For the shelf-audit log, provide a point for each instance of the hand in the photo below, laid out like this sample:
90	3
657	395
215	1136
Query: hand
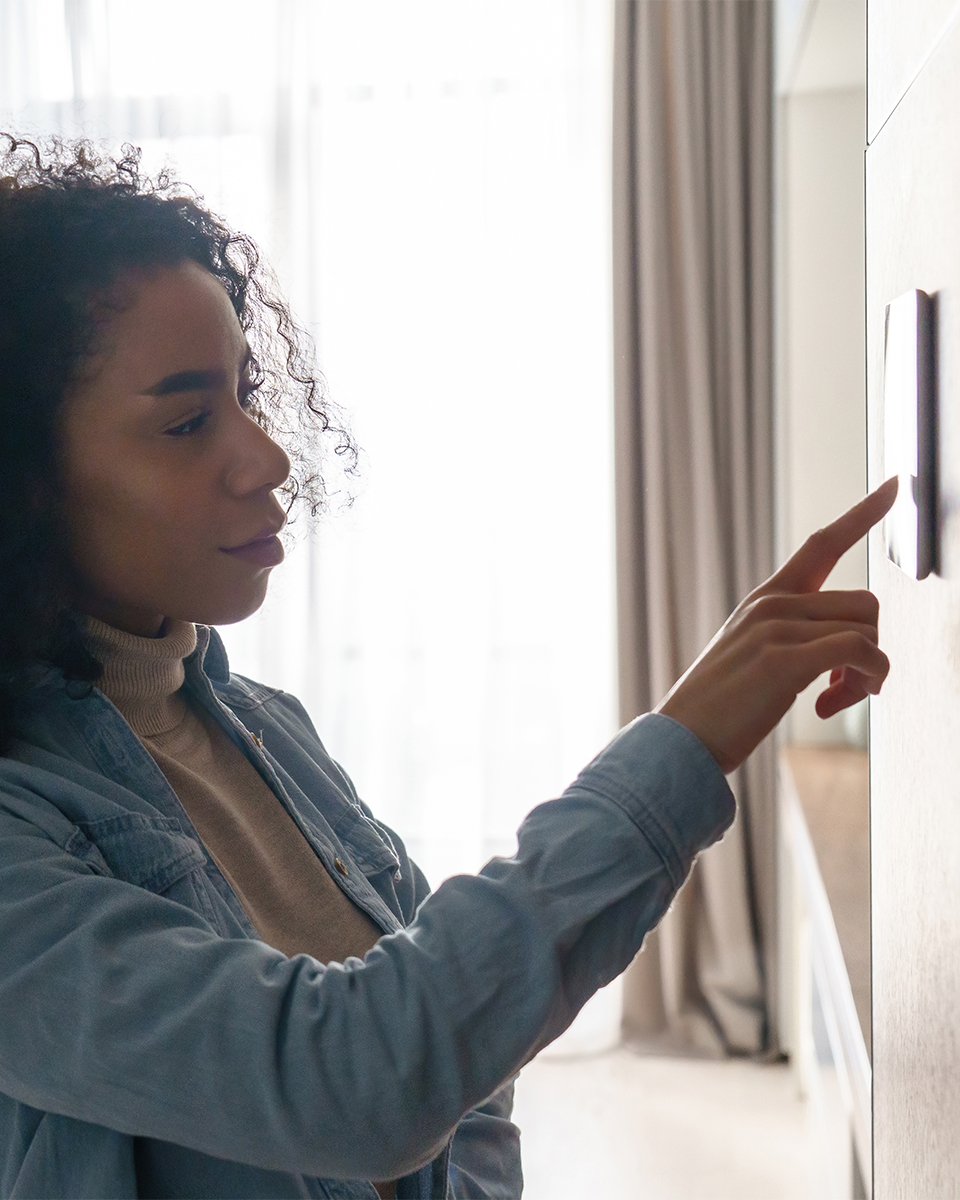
780	638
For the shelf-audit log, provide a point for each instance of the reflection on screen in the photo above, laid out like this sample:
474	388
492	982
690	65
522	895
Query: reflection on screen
900	430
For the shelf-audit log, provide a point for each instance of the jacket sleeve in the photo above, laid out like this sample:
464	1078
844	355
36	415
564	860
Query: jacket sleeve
123	1008
485	1156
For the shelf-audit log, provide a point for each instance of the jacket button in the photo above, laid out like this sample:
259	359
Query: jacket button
340	865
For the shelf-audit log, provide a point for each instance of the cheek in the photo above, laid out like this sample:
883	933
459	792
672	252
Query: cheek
138	543
131	525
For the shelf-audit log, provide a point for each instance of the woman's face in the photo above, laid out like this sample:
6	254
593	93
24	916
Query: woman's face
169	481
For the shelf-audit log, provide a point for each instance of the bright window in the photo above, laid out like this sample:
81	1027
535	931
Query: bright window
431	181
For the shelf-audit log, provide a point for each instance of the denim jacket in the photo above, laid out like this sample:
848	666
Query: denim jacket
151	1044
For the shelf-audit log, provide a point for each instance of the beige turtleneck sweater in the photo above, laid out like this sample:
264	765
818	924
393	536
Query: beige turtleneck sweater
291	899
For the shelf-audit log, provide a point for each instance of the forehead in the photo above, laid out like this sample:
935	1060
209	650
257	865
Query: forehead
169	319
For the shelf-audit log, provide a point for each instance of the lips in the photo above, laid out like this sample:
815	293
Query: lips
264	550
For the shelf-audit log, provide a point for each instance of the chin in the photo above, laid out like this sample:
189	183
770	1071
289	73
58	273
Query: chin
225	610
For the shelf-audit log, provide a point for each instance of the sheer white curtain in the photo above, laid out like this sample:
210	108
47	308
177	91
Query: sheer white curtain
431	181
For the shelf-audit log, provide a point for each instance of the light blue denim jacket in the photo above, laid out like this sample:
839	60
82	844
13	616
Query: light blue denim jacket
151	1045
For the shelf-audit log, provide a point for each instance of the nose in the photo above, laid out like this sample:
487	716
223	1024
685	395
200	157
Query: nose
258	463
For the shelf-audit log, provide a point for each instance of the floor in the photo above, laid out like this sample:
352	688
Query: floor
619	1126
833	784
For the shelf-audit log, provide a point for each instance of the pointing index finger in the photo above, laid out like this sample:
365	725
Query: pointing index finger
806	570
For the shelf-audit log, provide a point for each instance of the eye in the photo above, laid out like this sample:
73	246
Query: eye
187	427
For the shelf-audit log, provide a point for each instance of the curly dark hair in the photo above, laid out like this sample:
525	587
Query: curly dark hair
73	220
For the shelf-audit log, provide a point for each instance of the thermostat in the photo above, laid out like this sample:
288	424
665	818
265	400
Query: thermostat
909	432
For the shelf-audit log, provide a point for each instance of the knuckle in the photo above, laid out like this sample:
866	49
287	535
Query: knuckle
768	607
820	539
780	631
776	659
863	647
868	606
763	641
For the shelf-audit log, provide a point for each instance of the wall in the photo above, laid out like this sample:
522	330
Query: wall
913	241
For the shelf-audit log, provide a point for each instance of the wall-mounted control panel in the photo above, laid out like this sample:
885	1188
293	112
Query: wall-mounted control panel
909	432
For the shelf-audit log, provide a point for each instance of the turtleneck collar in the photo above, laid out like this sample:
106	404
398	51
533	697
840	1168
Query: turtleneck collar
143	676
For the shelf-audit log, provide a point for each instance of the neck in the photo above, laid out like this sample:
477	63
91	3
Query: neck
139	622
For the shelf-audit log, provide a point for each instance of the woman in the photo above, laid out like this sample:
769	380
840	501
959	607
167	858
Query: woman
219	974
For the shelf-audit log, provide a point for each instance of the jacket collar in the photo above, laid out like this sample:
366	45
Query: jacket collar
210	656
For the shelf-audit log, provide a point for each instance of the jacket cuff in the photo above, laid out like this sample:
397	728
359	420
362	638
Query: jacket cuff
669	785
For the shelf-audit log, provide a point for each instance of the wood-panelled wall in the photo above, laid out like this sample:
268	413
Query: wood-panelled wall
913	241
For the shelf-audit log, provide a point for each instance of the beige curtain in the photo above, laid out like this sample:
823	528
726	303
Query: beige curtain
693	299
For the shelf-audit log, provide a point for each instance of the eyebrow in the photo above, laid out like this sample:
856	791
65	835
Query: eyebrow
193	381
186	381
